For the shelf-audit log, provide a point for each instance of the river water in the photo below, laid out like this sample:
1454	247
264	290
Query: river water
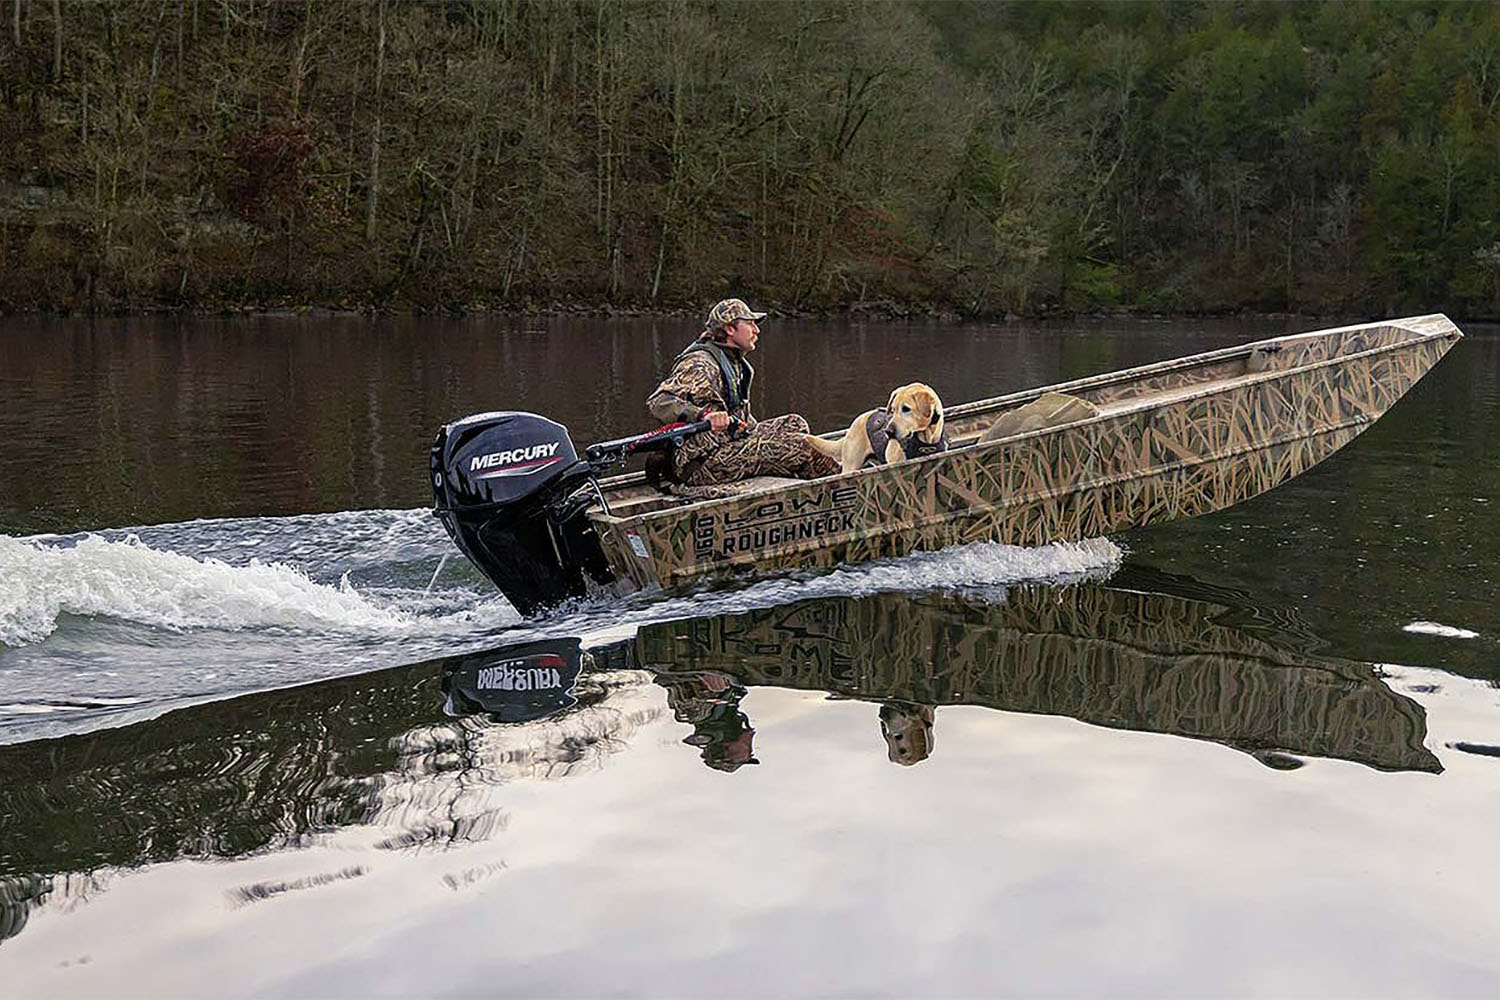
1249	754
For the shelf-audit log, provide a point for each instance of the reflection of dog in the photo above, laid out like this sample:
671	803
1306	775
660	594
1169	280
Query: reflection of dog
908	732
911	425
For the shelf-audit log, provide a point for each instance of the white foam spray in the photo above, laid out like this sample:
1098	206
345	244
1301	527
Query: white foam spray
129	580
1438	628
979	565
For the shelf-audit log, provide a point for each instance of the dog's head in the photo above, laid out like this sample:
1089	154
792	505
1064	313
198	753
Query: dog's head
908	732
916	409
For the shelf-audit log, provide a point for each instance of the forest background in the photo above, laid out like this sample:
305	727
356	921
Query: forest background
955	157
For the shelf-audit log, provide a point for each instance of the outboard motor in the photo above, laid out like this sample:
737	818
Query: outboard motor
513	494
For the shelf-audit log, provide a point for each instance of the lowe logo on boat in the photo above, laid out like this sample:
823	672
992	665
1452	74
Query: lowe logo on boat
515	675
516	461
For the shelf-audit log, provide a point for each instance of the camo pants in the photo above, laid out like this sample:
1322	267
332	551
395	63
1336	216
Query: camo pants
771	448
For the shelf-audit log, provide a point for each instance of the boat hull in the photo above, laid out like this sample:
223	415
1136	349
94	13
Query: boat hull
1173	440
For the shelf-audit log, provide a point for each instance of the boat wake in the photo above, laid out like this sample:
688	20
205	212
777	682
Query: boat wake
131	581
116	626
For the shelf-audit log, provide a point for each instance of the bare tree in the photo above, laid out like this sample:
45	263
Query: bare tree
373	196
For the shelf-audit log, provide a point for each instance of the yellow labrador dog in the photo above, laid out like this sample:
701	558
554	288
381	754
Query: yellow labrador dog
910	426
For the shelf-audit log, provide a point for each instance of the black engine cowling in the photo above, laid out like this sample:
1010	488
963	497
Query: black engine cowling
511	491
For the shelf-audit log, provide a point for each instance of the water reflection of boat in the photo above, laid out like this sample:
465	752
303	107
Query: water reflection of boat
1105	656
278	769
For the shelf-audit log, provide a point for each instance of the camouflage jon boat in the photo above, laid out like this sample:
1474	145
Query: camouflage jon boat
1162	441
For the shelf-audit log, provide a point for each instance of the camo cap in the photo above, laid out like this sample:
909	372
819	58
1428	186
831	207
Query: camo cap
728	311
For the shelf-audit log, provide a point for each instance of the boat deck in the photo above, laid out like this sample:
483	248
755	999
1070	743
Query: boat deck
1161	396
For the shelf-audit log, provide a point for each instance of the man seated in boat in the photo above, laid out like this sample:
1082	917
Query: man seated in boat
710	380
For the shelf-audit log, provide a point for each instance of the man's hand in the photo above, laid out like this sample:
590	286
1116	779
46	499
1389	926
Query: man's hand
719	421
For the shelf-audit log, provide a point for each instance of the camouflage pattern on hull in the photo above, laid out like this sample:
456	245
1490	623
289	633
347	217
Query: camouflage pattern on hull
1125	660
1171	440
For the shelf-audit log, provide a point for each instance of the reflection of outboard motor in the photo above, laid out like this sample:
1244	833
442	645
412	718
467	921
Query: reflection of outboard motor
516	683
513	494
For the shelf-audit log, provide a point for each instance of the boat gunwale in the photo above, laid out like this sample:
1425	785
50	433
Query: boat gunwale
1145	404
1218	354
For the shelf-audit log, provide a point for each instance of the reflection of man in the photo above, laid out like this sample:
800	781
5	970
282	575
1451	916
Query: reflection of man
907	729
710	702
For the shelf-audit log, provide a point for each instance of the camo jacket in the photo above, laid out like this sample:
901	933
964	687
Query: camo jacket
695	385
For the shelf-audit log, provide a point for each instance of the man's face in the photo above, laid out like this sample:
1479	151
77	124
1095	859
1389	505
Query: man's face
743	333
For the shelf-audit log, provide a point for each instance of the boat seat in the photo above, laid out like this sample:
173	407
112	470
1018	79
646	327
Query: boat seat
651	499
761	483
718	491
1162	396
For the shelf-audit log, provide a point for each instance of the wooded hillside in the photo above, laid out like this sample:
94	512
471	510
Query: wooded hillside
980	158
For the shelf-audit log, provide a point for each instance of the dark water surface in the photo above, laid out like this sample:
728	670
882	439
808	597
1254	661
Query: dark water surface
1249	754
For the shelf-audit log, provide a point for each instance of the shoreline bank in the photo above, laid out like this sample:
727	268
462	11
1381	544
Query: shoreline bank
854	312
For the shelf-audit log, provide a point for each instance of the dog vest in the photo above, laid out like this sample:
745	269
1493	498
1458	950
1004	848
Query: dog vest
878	427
